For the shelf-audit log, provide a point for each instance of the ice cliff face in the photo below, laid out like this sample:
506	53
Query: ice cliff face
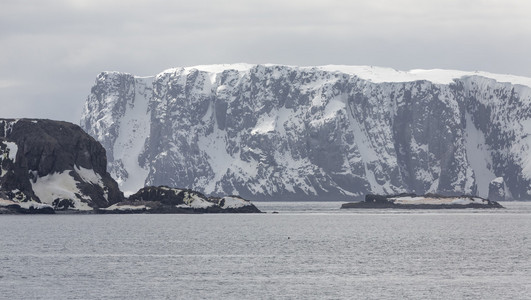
302	133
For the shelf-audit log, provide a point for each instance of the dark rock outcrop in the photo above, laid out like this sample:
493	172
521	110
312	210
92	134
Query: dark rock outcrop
55	163
428	201
51	165
164	199
17	208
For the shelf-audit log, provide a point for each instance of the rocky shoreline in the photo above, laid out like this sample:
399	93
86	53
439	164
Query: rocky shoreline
166	200
428	201
10	207
49	167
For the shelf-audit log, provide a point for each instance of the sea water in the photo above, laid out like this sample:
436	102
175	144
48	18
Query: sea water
306	250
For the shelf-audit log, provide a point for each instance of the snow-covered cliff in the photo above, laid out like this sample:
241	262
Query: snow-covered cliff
301	133
53	164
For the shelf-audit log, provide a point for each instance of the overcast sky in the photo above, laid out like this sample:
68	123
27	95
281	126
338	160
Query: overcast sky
51	51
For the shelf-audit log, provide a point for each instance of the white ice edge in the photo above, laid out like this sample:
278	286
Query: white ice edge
370	73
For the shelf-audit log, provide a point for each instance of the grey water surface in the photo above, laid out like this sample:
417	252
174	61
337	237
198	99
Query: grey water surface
309	250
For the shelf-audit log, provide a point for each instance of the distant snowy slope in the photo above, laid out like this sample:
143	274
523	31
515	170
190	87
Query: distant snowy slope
327	132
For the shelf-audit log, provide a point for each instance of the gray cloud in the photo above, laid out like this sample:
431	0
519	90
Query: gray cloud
51	51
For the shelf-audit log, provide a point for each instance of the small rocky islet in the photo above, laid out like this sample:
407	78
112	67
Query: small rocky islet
427	201
166	200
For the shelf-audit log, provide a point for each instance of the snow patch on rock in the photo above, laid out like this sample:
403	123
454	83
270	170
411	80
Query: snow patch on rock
420	200
12	150
234	202
59	186
193	200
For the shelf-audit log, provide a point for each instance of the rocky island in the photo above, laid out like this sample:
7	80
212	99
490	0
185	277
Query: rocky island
48	166
164	199
428	201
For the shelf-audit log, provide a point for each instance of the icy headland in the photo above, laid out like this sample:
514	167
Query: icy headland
276	132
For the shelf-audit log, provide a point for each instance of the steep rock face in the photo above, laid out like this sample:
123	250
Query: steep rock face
54	163
290	133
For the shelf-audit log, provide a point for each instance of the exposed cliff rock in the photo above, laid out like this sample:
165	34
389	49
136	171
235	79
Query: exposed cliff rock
329	133
54	164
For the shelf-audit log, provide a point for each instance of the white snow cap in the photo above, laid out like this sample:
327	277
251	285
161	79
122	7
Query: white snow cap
374	74
440	76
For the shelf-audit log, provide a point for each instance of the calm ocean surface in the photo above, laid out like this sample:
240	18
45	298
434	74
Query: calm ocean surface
306	251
